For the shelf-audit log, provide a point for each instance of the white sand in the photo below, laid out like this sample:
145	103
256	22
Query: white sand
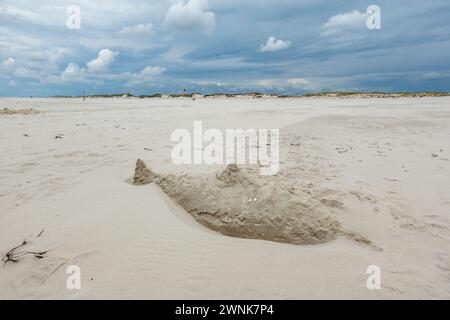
382	166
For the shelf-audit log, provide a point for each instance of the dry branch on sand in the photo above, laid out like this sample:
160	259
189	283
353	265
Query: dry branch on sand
15	254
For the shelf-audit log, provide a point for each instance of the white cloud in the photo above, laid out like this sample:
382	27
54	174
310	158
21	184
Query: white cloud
189	16
38	56
44	13
137	29
26	73
151	71
16	12
297	83
273	45
102	62
22	73
9	62
267	83
58	54
147	74
344	22
73	72
435	75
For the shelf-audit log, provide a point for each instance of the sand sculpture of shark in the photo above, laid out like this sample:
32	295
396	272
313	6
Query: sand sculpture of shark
236	203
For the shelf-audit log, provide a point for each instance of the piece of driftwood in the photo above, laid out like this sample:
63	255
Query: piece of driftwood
15	254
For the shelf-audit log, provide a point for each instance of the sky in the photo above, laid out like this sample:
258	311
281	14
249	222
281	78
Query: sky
76	47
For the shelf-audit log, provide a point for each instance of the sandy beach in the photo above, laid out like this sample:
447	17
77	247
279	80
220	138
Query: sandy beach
378	167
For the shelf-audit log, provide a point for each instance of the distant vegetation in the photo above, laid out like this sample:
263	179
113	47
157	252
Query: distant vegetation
378	94
338	94
156	95
182	95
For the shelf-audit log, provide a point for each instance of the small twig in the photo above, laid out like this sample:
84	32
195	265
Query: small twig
11	256
38	255
14	255
40	234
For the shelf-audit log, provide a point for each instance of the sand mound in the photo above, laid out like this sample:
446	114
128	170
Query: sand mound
246	205
6	111
231	176
143	175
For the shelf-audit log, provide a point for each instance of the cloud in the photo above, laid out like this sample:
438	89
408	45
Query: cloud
9	62
73	72
58	54
147	74
18	13
102	62
273	45
23	73
295	83
435	75
151	71
298	82
137	29
344	22
76	74
268	83
44	13
190	16
32	33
